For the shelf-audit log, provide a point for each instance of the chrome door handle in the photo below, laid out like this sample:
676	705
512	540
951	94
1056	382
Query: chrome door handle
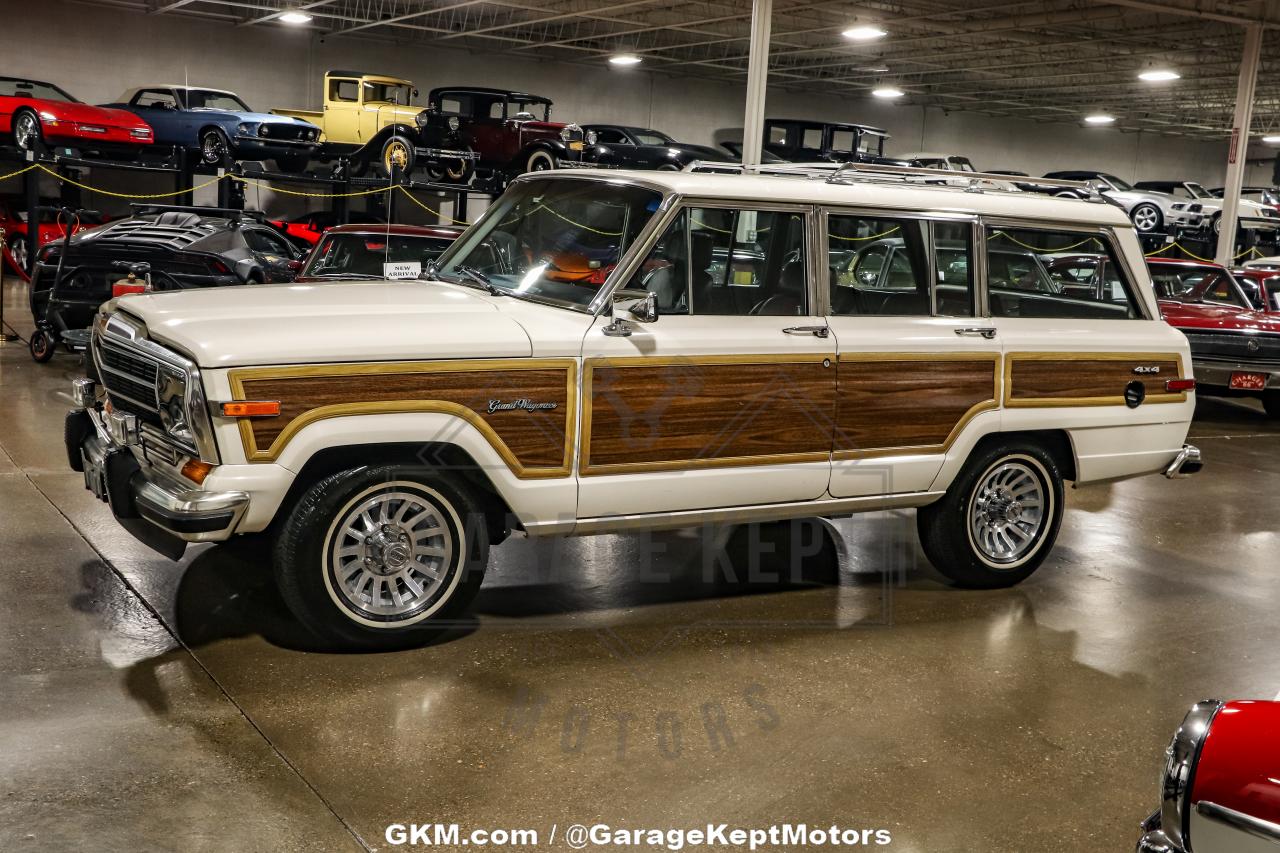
977	332
816	331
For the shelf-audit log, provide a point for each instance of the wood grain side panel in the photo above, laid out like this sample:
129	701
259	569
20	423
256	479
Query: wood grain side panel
889	404
1085	379
685	414
532	439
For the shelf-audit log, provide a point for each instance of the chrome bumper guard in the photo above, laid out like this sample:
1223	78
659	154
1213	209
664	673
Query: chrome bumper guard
1153	838
1187	462
134	491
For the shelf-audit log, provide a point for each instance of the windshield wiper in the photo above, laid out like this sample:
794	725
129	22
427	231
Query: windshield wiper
482	280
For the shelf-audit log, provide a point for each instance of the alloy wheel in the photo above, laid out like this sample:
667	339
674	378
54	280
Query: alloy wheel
18	252
1146	218
26	130
1008	512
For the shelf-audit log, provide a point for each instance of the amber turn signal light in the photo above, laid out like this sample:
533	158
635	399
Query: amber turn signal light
251	409
196	471
1174	386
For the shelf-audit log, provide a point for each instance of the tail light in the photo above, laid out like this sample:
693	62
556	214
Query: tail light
219	267
1174	386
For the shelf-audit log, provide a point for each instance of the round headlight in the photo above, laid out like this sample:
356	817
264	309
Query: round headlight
264	130
244	129
454	123
1183	754
566	134
591	137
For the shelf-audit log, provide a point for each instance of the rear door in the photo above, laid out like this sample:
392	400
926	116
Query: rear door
915	365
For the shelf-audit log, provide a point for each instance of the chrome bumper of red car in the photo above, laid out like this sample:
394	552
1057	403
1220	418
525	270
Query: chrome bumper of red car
1219	373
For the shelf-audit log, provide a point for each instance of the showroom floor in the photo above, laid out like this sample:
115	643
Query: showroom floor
142	701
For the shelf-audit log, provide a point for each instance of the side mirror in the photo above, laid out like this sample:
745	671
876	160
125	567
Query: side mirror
631	305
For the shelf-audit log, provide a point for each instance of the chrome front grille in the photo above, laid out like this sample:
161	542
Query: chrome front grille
128	376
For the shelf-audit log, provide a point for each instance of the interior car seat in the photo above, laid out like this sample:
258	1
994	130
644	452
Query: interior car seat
788	298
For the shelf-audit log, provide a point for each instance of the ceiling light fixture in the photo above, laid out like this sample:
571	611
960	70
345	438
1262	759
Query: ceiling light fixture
1099	118
864	33
1159	75
295	17
884	91
1271	140
625	59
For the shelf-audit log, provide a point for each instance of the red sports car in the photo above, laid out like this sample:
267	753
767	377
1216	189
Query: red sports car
1220	791
31	110
13	219
1235	349
305	230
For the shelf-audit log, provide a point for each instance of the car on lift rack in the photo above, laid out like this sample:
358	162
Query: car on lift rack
511	132
370	120
625	147
216	123
306	229
1235	348
805	141
1205	209
1151	212
32	112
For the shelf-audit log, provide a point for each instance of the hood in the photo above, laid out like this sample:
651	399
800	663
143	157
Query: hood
536	126
703	152
89	114
258	118
1206	317
331	322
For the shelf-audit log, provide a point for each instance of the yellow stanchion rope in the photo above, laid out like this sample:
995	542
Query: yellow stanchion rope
1252	250
99	191
19	172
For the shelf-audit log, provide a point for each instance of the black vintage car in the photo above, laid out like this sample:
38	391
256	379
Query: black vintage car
624	147
804	141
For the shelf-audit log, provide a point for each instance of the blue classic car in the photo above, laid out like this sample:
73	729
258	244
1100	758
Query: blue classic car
216	123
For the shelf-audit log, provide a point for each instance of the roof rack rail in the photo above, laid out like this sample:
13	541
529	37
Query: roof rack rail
836	173
232	213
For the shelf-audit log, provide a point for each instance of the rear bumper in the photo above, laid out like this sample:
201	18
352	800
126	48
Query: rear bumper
1218	373
160	511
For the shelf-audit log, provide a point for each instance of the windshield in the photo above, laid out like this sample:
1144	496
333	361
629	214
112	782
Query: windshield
557	239
358	255
1120	185
653	137
1194	285
1196	190
540	110
201	99
387	93
32	89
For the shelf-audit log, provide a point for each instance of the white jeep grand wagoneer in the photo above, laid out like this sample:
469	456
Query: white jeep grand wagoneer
642	350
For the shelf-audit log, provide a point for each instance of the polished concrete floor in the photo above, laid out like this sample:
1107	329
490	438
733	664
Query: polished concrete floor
146	705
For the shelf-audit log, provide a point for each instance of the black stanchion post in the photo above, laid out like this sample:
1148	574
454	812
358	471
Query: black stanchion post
343	187
186	177
5	335
31	197
460	206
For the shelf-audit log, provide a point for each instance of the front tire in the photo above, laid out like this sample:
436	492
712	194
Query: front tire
214	147
1000	518
41	345
396	152
26	130
1147	218
381	557
18	255
540	161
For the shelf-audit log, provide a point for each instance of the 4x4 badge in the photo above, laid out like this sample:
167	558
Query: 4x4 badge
1147	370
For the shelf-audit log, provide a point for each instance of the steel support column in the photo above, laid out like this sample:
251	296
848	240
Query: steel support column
757	81
1238	147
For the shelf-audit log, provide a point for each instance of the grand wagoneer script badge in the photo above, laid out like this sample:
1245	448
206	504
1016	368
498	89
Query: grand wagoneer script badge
524	403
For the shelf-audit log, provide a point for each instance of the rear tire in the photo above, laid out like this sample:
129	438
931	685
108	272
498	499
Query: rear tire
1000	518
214	147
381	557
21	261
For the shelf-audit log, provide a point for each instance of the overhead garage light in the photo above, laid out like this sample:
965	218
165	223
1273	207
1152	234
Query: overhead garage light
1271	140
1099	118
295	17
864	33
1159	75
887	92
625	59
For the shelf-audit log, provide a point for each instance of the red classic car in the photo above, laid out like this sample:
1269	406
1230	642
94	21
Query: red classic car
31	110
13	220
1220	791
375	251
1262	286
1235	349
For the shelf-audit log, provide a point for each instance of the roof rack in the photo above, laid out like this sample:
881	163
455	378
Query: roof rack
837	173
226	212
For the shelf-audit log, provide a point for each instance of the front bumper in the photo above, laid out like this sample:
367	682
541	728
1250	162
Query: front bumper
1217	374
161	511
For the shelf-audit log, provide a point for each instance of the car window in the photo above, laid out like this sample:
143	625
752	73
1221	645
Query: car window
344	90
878	266
777	136
611	137
812	138
653	137
12	88
365	254
452	105
1020	285
267	243
717	261
1195	284
201	99
843	140
156	98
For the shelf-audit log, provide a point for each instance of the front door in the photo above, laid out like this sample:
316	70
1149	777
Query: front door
728	398
916	367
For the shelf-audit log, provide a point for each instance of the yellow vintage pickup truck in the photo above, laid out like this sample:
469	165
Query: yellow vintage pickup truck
369	119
